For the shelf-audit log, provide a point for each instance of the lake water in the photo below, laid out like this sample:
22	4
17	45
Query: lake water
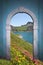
27	36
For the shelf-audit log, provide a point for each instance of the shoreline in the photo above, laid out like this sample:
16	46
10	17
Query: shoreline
20	36
23	31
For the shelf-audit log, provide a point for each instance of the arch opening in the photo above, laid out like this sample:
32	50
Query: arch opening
35	30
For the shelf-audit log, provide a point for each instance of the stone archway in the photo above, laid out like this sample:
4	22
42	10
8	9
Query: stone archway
35	30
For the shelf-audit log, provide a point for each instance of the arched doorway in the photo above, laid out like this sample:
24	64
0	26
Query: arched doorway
35	30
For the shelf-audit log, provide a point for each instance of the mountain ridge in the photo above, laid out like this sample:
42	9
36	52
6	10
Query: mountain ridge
27	27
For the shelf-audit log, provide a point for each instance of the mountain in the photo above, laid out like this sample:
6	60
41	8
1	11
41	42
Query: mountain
27	27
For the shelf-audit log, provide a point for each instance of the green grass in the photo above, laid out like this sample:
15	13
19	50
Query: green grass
5	62
17	58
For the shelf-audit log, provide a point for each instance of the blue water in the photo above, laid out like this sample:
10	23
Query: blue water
27	36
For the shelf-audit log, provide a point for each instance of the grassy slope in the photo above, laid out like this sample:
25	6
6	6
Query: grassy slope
24	60
17	58
21	43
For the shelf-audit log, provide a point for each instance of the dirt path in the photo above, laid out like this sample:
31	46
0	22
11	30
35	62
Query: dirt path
25	52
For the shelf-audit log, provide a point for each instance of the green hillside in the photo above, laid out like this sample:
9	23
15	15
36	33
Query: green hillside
17	57
21	28
26	27
21	43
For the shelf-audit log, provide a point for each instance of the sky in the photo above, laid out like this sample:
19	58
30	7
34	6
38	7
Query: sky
20	19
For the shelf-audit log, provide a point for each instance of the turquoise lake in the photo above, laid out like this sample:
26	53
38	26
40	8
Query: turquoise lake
27	36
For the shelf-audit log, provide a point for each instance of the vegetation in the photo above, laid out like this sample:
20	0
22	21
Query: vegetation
17	57
5	62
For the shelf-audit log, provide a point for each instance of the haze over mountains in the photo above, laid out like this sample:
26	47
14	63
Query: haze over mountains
27	27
